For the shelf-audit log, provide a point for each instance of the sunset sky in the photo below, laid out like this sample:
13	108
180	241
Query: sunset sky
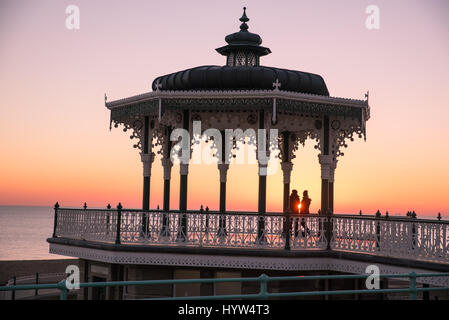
54	128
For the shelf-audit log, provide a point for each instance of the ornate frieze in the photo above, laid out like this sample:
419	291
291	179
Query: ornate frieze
233	102
342	130
135	124
217	104
161	139
242	94
297	138
317	109
295	112
227	120
123	113
172	118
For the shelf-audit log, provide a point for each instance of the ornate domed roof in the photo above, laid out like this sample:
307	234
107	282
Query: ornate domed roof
241	78
242	70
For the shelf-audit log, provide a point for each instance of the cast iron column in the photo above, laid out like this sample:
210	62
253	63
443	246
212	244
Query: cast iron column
325	162
223	168
286	167
331	185
182	222
183	171
167	165
262	200
286	170
262	185
147	160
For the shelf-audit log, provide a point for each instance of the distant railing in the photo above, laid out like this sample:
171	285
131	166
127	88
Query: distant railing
408	238
32	279
262	280
36	278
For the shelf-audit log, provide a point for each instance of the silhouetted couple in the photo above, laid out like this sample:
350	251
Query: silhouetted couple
300	207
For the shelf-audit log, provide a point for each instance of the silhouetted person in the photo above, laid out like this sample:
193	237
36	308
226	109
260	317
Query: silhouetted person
295	201
305	205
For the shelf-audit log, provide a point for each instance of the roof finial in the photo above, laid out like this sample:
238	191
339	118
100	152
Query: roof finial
244	19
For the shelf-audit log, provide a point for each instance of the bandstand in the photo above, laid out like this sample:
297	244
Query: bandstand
275	110
241	95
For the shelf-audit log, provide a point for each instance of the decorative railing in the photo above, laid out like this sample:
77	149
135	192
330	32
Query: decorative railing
405	238
398	237
93	224
193	228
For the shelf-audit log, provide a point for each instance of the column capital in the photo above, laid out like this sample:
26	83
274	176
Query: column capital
184	169
325	159
147	157
223	168
287	168
332	168
325	162
167	165
147	161
166	162
263	169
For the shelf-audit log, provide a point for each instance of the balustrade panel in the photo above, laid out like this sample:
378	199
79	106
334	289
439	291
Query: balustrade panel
88	224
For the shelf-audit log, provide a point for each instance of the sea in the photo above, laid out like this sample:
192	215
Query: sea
24	231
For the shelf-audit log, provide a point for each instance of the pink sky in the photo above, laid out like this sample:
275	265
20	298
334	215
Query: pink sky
54	128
